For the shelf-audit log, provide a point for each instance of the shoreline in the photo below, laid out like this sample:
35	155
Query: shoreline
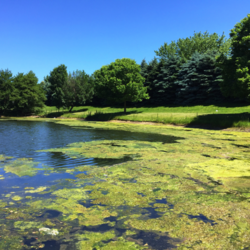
33	118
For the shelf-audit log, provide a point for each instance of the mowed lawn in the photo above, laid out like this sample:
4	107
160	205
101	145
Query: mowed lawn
217	116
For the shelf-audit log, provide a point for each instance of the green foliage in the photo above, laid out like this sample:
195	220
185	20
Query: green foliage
21	93
120	82
167	78
57	79
202	43
236	69
161	77
151	73
144	67
78	89
6	90
199	80
45	85
28	94
22	167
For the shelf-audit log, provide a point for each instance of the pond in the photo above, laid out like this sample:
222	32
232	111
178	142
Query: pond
86	185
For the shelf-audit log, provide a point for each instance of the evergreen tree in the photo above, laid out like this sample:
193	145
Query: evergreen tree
151	74
166	80
157	98
198	80
144	67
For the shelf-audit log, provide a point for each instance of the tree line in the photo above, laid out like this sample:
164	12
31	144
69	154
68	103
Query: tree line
200	69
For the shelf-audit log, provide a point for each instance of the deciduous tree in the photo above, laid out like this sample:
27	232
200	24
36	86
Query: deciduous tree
57	78
184	48
121	81
6	90
28	95
236	69
78	89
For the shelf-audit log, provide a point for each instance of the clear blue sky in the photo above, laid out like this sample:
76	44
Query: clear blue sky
39	35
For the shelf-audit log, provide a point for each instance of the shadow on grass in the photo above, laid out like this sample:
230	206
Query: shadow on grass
101	116
60	113
221	121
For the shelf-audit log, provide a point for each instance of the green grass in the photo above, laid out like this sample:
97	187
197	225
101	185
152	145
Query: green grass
215	116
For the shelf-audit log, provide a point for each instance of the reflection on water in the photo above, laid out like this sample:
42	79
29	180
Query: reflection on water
21	139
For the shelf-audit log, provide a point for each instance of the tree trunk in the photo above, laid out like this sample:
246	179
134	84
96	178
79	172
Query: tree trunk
71	108
124	106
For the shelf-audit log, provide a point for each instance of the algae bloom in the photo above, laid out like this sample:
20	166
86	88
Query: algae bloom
49	231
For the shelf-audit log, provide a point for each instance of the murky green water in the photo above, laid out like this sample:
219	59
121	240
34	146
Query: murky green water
89	185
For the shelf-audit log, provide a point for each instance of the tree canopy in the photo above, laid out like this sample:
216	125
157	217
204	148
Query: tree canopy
121	81
236	69
57	78
184	48
198	80
7	87
78	89
45	85
20	94
166	80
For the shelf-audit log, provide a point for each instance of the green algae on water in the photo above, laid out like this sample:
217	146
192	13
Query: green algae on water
38	190
194	189
16	198
4	158
22	167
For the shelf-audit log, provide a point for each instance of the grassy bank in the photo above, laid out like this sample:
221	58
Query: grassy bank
213	116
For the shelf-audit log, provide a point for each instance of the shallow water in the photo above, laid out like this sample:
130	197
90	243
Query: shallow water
22	139
99	186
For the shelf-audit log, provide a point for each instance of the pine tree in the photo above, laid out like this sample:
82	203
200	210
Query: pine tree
152	77
198	80
166	80
144	67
